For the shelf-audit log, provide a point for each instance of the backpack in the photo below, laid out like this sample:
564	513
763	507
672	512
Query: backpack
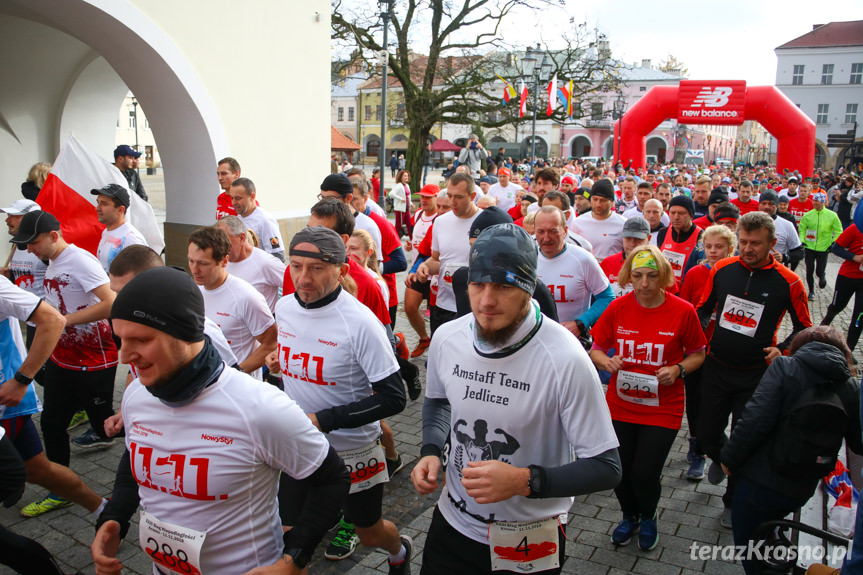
809	436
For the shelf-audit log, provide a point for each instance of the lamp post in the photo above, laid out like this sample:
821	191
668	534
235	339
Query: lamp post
386	5
135	115
532	71
619	111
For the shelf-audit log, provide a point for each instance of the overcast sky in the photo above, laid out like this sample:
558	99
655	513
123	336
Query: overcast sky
727	40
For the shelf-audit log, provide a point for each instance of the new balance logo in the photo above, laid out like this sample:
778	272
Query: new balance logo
715	98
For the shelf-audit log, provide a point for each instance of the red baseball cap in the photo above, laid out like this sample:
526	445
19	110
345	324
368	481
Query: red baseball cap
430	190
504	172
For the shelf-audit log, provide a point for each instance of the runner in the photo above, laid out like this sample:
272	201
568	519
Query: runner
112	203
510	397
206	472
818	228
265	274
658	341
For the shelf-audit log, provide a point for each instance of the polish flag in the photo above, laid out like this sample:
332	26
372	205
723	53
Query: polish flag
66	194
522	105
552	95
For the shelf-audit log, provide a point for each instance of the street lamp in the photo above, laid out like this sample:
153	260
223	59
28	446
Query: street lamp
386	6
534	72
135	114
619	111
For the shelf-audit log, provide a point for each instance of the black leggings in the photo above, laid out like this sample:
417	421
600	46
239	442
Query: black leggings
816	262
643	451
845	288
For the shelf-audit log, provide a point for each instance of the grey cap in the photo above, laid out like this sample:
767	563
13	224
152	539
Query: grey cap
330	244
769	196
636	227
504	254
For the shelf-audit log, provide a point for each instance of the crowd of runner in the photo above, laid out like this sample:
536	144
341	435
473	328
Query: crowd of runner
574	313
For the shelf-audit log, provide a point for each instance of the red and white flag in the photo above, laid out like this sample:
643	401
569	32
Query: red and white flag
66	194
522	104
552	95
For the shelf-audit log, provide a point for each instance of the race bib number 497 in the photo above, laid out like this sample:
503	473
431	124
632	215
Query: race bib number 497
740	315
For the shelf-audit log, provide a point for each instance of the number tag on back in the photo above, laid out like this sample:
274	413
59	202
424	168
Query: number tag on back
530	546
169	546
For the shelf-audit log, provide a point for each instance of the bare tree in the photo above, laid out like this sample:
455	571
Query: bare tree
448	55
674	66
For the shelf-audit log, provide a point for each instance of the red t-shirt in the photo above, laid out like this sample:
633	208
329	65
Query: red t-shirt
702	222
647	339
368	291
390	242
515	211
692	289
747	207
611	266
798	208
852	240
225	206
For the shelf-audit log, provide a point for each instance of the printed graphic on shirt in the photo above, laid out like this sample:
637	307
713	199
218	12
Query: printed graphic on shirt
477	447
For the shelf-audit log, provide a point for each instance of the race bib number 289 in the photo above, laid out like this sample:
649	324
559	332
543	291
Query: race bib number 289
169	546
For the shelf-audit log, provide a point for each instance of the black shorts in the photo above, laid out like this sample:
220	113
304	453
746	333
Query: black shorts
22	432
448	552
363	509
422	287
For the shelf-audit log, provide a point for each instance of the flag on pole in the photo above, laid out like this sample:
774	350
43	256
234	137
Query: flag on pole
508	91
563	96
570	106
522	105
66	194
551	90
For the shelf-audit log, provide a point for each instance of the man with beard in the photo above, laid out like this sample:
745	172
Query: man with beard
487	371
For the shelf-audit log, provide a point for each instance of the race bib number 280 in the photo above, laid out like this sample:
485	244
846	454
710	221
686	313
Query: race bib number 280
740	315
171	547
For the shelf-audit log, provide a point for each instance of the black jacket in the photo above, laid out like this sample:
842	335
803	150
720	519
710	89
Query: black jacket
747	451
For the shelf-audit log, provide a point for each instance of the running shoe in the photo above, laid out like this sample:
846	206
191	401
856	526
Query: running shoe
92	440
403	568
822	282
715	475
401	346
344	543
395	465
648	536
624	531
696	467
421	347
49	503
80	418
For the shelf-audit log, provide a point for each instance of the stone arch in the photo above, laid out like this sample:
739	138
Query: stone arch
580	146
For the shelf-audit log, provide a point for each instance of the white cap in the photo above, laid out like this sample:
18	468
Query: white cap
21	207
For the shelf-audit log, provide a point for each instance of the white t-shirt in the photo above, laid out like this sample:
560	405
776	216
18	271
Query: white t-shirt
69	280
787	237
505	195
15	305
113	242
213	465
217	338
241	313
363	222
632	212
267	229
572	277
606	235
542	405
451	241
28	272
422	223
334	366
375	208
265	273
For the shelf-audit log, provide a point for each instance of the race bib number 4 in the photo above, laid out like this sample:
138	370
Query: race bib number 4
172	547
740	315
367	466
638	388
524	547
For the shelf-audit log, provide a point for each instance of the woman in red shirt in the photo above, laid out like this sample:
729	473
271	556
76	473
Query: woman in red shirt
657	340
719	242
849	281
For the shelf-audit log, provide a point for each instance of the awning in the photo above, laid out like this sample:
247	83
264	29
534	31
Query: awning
341	143
444	146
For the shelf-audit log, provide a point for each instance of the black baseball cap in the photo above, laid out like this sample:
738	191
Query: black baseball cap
33	224
330	245
115	191
125	150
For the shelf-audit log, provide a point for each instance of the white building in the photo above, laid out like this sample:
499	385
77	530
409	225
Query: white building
822	72
345	104
133	129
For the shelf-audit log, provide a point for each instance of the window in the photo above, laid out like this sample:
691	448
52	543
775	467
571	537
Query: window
856	73
797	76
850	113
341	114
350	114
596	111
823	110
400	112
368	113
642	88
827	74
132	120
377	112
146	124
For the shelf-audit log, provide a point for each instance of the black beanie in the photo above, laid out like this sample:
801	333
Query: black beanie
165	299
683	202
504	254
490	216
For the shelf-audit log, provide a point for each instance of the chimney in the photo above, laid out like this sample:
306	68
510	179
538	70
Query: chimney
645	63
604	48
816	26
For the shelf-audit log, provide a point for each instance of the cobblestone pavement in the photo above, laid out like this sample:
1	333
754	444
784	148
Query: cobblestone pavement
688	511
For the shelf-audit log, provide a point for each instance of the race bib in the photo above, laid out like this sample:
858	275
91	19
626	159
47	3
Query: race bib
447	271
740	315
638	388
811	235
367	466
172	547
524	546
677	261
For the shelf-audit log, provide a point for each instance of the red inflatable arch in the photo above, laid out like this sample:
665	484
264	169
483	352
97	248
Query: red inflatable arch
719	102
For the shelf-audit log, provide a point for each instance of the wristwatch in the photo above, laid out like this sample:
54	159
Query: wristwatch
298	556
682	370
536	482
